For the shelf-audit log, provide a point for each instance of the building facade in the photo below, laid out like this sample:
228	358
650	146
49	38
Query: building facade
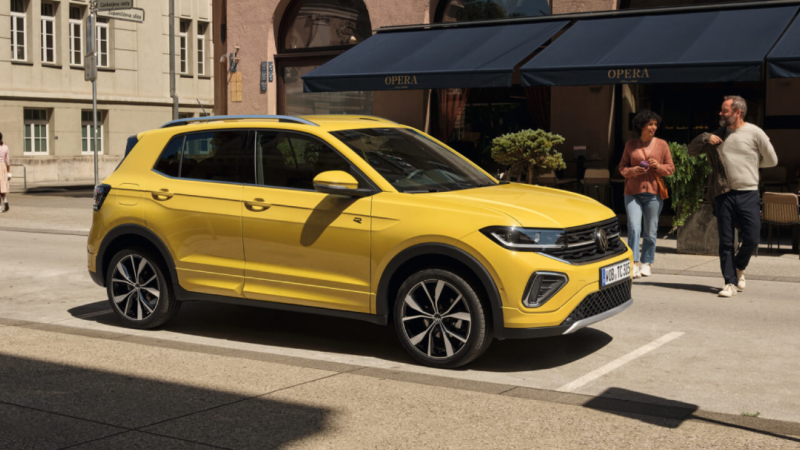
289	38
46	106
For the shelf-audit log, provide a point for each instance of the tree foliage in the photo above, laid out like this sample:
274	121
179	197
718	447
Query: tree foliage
687	184
528	152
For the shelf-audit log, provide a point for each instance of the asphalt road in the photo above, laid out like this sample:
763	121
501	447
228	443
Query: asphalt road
679	350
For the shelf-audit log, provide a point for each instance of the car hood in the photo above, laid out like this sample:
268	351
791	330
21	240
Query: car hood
533	206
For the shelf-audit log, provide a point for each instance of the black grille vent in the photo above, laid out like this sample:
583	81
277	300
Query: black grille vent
581	247
601	301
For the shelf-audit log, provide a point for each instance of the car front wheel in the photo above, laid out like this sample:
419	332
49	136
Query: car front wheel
440	320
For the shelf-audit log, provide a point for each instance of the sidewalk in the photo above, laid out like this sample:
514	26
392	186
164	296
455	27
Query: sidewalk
68	211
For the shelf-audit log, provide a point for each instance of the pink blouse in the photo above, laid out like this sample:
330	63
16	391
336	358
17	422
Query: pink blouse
4	155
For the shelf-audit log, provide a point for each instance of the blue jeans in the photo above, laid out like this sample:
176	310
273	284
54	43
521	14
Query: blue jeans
649	206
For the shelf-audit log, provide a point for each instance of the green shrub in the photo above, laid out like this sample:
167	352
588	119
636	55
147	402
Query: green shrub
687	184
528	152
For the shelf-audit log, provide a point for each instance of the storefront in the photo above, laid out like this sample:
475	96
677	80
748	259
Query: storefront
466	80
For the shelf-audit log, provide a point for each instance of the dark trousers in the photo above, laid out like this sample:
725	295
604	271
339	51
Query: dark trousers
742	208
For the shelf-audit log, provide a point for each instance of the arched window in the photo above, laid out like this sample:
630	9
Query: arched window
312	33
325	24
468	10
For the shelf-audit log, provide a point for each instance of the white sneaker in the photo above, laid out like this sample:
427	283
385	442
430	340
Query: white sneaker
636	272
645	270
728	291
741	283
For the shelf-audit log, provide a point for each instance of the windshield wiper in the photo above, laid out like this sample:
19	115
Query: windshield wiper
423	191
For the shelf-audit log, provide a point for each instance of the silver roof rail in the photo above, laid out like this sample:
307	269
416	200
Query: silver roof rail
293	119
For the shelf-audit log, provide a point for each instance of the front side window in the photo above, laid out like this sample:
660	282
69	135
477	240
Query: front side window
36	132
18	37
48	33
75	36
208	156
87	129
292	160
102	42
412	162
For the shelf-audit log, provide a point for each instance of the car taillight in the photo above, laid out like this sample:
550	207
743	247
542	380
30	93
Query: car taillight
100	193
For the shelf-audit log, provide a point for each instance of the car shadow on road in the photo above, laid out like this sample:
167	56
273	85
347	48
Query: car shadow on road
681	286
351	337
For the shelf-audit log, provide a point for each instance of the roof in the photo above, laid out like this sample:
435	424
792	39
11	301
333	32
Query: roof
329	122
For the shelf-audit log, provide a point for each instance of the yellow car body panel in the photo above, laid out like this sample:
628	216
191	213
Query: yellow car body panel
316	250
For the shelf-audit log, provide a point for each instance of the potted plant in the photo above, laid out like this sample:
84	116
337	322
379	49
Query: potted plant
694	220
528	153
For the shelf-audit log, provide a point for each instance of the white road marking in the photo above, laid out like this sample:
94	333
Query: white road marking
617	363
95	314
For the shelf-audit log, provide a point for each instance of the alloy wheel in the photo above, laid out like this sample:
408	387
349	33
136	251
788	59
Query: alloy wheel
436	319
135	287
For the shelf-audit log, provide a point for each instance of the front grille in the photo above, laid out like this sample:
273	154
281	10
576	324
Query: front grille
601	301
581	246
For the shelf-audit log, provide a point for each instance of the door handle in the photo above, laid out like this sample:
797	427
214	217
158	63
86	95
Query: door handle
257	205
163	194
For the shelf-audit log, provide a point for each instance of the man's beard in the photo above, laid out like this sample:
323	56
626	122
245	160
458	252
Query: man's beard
727	122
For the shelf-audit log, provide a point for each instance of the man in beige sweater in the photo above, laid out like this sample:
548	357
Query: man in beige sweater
736	151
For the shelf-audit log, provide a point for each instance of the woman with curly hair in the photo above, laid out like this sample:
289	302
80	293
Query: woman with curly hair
645	159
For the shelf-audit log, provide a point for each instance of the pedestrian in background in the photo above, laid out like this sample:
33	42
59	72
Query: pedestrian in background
645	160
735	152
5	169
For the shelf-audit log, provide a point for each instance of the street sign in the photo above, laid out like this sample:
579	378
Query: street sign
129	15
109	5
90	67
90	30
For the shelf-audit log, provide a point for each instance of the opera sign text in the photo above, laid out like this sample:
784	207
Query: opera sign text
628	74
400	80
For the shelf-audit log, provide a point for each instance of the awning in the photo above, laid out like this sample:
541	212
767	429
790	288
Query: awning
784	59
712	46
467	57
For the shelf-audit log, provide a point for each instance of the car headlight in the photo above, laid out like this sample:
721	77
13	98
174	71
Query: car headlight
526	239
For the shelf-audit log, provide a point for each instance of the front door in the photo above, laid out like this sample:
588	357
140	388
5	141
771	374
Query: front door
193	204
301	246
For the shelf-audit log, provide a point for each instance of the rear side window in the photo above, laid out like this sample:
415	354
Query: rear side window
209	156
170	161
213	156
292	160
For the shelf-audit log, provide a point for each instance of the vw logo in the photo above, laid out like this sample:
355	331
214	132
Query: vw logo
601	239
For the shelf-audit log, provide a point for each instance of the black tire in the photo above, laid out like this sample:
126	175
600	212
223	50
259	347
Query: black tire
134	284
433	328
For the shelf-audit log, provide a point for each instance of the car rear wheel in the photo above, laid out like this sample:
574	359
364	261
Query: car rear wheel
440	320
138	290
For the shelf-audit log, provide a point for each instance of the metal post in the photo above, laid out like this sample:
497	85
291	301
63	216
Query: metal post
172	92
94	106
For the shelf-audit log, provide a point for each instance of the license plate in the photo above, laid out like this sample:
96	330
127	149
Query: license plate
615	273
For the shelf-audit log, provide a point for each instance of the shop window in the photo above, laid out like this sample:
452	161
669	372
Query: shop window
75	36
469	10
48	33
87	129
327	28
19	38
37	132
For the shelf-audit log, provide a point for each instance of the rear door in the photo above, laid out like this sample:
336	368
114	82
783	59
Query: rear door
193	203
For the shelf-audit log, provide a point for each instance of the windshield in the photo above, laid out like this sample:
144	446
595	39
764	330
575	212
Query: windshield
412	162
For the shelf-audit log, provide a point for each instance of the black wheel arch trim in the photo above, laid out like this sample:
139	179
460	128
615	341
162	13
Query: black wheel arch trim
138	230
382	299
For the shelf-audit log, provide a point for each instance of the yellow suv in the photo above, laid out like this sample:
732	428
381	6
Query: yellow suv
354	217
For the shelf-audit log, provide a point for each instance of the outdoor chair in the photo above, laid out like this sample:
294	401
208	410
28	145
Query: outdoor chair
596	181
551	180
774	177
780	209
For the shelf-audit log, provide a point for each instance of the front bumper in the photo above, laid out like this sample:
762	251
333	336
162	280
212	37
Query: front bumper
597	306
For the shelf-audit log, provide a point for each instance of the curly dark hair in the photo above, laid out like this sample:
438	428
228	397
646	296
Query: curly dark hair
644	117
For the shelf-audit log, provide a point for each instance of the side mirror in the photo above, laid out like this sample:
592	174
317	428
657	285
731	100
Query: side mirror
338	182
